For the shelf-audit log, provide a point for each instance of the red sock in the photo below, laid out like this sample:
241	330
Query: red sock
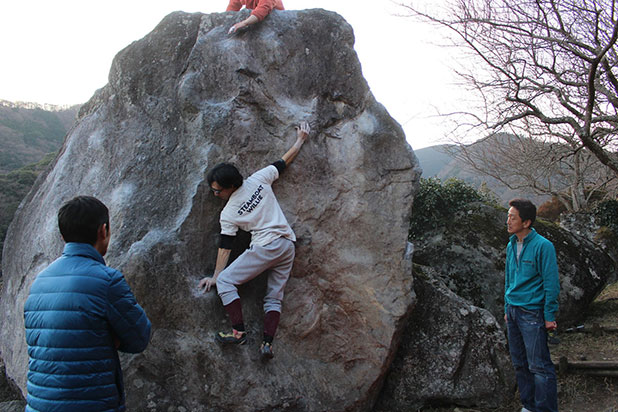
234	312
271	321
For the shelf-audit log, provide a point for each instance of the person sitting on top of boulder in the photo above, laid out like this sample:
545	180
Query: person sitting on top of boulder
252	206
261	9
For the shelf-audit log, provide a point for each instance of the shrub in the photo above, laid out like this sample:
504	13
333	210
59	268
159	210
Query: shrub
551	209
437	201
605	235
606	214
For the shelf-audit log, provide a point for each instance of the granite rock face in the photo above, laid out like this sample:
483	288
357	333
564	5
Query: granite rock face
12	406
452	352
586	225
182	99
10	397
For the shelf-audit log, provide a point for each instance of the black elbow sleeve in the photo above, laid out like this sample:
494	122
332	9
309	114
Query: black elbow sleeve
227	242
280	165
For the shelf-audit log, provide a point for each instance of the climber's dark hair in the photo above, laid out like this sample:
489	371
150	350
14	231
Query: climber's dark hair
226	175
79	219
526	209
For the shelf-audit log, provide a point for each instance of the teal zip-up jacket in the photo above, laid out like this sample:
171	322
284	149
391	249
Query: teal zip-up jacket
532	282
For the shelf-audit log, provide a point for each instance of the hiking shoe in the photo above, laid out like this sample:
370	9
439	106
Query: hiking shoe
266	351
234	338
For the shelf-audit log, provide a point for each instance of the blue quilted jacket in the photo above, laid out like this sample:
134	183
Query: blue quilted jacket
78	312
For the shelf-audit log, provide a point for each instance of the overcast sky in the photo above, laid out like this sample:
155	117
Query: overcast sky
60	52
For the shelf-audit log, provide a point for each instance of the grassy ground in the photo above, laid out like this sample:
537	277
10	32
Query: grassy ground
580	393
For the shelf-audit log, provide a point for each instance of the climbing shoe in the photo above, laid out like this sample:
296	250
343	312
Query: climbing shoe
234	338
266	351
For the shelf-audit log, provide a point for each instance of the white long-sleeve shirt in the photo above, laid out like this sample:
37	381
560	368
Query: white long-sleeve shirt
253	207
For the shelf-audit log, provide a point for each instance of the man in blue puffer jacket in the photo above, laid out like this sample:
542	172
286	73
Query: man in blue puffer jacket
78	314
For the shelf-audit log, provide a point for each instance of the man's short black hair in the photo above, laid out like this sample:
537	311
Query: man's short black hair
526	209
79	219
226	175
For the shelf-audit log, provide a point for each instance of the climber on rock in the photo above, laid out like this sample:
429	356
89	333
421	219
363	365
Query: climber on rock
260	9
252	206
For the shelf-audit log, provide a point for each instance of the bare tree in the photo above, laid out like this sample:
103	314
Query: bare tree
574	177
549	72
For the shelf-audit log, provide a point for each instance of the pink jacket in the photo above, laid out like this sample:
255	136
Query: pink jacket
261	8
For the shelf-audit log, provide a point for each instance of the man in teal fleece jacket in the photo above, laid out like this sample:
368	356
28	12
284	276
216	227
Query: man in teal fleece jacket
531	290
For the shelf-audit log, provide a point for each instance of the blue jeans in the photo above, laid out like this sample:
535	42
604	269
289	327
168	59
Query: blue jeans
534	370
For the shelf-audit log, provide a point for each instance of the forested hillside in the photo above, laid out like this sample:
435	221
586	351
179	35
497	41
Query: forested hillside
29	131
30	136
13	188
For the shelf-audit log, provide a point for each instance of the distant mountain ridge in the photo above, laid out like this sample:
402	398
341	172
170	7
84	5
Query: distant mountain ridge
434	159
43	106
440	161
28	131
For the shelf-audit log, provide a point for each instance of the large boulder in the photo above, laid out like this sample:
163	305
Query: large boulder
12	406
452	352
182	99
587	225
468	253
10	397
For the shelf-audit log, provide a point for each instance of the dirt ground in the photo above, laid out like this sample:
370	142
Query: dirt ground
576	392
